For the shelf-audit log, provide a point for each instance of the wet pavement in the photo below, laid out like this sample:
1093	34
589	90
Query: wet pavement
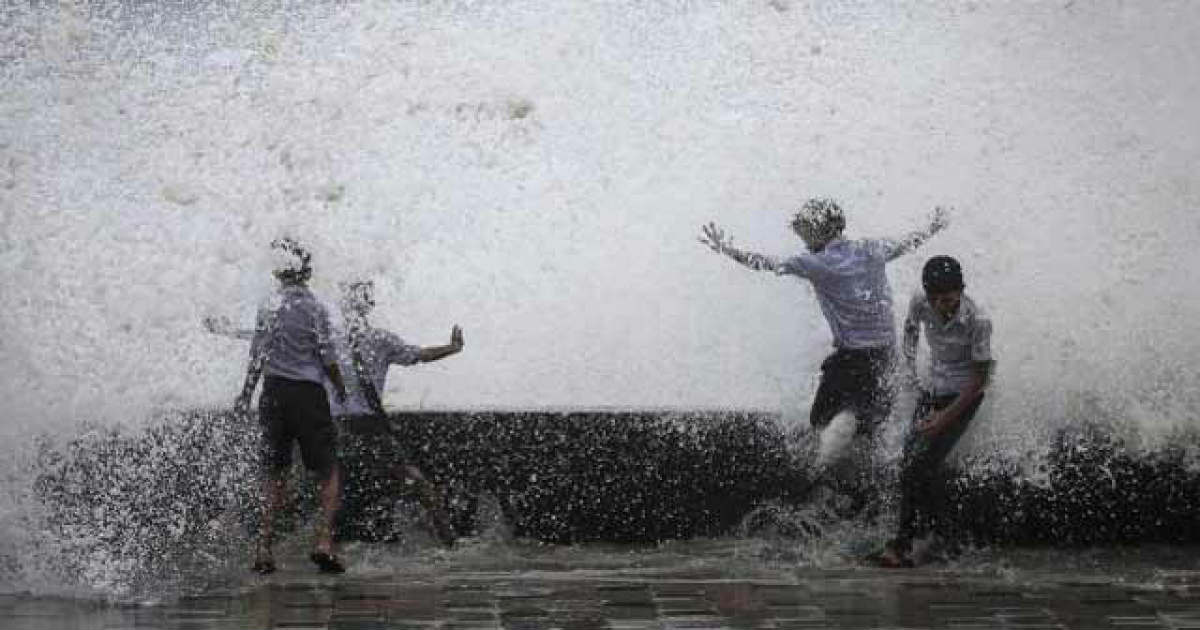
658	599
683	592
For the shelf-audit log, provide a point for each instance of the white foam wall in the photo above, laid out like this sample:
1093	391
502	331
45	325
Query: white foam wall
537	172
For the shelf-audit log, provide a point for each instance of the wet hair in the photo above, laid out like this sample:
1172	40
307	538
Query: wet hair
822	217
293	263
942	274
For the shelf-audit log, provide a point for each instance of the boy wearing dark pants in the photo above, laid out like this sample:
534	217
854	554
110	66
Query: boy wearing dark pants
959	333
293	350
366	354
856	300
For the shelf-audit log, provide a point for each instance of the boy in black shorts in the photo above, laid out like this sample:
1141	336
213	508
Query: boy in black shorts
293	350
855	297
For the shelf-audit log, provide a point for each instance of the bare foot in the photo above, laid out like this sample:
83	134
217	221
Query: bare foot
894	560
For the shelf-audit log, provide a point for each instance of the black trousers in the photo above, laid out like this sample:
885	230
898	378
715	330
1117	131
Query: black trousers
922	480
858	380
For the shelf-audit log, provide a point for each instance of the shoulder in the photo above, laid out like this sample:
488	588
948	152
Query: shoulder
873	247
973	309
833	251
800	264
383	338
974	313
305	296
918	305
389	337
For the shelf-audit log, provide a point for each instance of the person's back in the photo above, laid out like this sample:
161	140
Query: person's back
852	289
292	350
293	336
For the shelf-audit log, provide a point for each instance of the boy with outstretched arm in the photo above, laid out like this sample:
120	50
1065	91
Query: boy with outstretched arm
959	334
292	349
856	300
366	354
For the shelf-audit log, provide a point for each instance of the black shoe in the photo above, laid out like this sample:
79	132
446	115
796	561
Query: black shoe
326	563
263	567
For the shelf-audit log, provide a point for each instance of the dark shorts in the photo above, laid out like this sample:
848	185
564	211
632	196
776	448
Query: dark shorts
297	411
858	381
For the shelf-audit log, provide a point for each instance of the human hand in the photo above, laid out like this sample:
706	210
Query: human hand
217	325
939	219
456	338
713	237
932	425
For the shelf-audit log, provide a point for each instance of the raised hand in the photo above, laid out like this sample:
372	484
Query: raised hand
217	325
939	219
714	238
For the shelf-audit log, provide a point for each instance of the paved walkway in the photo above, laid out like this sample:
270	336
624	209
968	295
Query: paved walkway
528	597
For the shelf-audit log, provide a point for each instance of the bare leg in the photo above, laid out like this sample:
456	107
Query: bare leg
331	496
431	500
272	499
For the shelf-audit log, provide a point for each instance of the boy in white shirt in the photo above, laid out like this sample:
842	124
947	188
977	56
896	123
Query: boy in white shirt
366	354
959	333
856	300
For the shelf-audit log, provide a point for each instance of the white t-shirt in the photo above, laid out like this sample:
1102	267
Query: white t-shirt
292	331
954	345
852	289
380	349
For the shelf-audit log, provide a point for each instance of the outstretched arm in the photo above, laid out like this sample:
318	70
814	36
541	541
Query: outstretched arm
434	353
222	326
253	371
714	238
938	219
912	335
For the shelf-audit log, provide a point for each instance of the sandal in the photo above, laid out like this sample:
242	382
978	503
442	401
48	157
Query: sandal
326	562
